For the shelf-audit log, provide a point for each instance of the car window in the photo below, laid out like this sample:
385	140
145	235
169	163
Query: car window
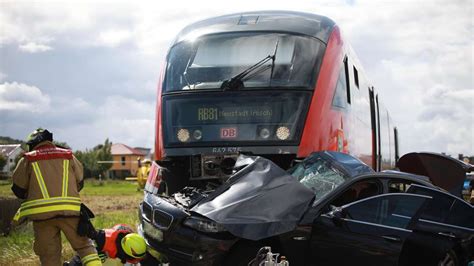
394	210
461	214
445	208
398	186
437	209
358	191
318	176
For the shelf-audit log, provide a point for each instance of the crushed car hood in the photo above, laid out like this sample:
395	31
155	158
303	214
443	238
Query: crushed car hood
262	200
259	201
443	171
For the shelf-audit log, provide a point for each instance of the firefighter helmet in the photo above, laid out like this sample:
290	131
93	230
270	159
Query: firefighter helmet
134	245
38	136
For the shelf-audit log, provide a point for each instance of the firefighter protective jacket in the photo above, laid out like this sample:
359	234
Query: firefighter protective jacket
49	178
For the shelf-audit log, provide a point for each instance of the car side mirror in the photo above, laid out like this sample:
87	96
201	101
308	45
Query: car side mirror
337	214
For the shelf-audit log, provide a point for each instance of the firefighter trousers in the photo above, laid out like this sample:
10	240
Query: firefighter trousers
47	243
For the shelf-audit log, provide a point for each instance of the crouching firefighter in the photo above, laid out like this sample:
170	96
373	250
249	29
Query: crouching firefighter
116	242
49	178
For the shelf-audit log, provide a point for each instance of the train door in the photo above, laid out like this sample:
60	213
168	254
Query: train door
395	136
375	121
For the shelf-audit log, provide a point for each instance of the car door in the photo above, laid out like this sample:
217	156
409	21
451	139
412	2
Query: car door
370	231
446	222
445	211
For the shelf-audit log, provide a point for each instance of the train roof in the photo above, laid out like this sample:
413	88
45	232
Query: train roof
277	21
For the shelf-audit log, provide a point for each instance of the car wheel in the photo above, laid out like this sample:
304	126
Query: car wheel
449	259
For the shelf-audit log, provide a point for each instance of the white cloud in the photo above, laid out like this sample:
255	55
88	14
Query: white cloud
419	56
32	47
113	38
132	125
447	117
19	97
122	120
417	53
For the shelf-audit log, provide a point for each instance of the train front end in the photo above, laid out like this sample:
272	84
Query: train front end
235	84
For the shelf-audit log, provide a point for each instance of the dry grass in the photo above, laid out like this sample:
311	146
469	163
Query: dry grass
104	204
112	202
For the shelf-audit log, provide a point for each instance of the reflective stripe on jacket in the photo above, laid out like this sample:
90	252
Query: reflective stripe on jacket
51	177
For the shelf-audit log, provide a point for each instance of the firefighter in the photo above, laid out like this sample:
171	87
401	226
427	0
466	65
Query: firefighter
117	242
49	178
142	172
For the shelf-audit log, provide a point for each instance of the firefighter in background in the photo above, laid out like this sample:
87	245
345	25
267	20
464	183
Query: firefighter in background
142	172
49	178
117	242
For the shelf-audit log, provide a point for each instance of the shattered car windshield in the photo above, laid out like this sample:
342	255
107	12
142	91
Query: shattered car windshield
318	176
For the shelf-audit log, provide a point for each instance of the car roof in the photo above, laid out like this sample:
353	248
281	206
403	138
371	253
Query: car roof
391	174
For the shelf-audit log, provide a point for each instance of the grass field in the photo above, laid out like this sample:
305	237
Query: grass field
112	202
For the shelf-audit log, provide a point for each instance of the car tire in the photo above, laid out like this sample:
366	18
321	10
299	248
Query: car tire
449	259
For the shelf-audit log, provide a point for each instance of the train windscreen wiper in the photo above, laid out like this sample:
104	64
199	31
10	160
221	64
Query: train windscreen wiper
237	81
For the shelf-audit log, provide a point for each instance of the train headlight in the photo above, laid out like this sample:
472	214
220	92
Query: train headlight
283	133
197	134
264	133
183	135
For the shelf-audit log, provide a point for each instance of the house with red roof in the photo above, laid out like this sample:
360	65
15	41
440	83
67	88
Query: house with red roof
125	160
10	152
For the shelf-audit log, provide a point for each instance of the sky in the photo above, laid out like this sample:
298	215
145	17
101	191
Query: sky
88	70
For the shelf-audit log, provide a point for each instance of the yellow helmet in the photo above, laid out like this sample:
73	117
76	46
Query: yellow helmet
134	245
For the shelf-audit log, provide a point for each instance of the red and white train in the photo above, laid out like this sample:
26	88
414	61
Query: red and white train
277	84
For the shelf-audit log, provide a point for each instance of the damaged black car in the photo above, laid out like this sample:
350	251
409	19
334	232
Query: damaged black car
329	209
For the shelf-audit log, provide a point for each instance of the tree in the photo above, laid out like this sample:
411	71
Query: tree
61	144
104	155
90	159
8	140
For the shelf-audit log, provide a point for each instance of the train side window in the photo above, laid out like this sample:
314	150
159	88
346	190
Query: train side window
346	73
356	77
340	97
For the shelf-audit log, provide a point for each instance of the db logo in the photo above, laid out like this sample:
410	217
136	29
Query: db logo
228	133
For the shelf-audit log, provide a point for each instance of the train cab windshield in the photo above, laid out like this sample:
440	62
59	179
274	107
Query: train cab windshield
206	62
